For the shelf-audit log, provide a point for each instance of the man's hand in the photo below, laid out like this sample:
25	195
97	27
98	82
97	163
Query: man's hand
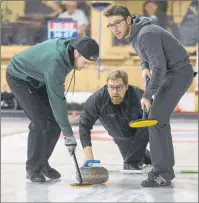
145	73
145	104
71	144
88	154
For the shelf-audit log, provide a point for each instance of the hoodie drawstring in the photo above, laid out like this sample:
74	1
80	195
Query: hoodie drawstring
71	81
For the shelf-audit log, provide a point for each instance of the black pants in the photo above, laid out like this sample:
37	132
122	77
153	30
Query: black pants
44	130
133	149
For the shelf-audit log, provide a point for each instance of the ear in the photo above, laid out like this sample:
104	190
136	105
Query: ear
76	53
128	20
127	86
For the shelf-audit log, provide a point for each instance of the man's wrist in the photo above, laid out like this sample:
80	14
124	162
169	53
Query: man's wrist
146	96
88	152
145	68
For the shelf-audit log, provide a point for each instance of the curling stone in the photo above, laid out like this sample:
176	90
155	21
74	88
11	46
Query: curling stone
93	174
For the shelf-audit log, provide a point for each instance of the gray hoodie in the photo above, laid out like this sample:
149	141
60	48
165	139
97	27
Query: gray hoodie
158	49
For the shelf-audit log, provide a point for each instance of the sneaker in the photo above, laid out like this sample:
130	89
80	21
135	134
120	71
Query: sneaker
35	176
50	172
155	180
131	166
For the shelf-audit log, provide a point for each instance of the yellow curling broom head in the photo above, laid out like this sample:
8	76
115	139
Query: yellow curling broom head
79	185
142	123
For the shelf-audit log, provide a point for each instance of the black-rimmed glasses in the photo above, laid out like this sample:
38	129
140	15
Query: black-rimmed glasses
116	24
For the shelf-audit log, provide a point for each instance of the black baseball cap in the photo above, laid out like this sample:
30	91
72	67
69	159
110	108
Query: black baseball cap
87	47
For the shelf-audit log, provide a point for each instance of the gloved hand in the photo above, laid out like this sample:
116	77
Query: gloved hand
71	144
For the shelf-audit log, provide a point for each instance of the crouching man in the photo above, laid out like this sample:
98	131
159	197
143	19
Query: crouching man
115	105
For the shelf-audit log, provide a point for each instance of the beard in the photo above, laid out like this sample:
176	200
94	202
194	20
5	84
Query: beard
77	68
116	99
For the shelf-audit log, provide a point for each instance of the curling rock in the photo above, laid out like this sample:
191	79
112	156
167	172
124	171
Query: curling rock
93	174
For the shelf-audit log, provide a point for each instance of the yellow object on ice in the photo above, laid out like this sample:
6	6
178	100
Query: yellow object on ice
80	185
142	123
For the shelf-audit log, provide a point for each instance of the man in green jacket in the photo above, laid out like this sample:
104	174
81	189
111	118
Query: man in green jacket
36	77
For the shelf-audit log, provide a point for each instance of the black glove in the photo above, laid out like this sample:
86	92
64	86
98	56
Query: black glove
71	144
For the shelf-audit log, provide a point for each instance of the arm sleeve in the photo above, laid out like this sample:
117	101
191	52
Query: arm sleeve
87	120
55	87
152	46
139	93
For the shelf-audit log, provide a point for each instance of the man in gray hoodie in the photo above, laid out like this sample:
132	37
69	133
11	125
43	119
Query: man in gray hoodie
167	63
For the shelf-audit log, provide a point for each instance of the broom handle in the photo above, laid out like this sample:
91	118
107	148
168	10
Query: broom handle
145	114
77	167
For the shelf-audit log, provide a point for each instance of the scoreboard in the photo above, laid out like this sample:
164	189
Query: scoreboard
63	29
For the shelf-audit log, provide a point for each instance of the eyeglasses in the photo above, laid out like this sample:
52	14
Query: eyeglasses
116	24
112	88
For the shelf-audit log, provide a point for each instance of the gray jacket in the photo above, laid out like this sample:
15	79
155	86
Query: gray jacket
158	49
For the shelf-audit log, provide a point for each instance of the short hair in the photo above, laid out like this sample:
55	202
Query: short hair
118	74
117	10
